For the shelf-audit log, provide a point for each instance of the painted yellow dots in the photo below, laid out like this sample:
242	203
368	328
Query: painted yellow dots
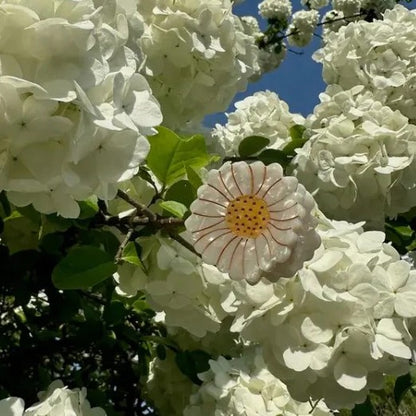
247	216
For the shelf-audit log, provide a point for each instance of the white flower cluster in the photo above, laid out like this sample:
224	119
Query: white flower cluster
196	56
300	30
334	330
73	111
244	386
167	387
359	162
348	7
57	400
262	114
177	284
275	9
380	55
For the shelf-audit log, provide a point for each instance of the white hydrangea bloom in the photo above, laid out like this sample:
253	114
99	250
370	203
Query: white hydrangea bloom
197	56
73	112
332	21
300	30
250	220
347	7
275	9
175	282
324	332
262	114
167	387
359	162
380	55
244	386
59	400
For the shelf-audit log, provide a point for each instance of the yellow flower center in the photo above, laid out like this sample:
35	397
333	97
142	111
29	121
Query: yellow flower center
247	216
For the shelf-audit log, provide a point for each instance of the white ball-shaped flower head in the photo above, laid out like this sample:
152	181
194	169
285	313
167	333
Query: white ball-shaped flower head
250	220
12	406
59	400
359	161
197	56
262	114
381	55
300	30
275	9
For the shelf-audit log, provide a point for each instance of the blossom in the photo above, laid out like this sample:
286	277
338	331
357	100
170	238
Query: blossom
250	220
380	55
196	56
243	385
323	331
261	114
58	399
275	9
12	406
359	160
315	4
300	30
74	114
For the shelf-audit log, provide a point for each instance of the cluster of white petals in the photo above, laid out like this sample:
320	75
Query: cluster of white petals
275	9
251	221
73	111
381	55
334	330
262	114
348	7
196	56
359	161
176	283
167	387
56	400
244	386
302	27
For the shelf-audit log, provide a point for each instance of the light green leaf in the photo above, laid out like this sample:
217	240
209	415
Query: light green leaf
252	145
82	268
170	154
175	208
193	177
130	254
181	191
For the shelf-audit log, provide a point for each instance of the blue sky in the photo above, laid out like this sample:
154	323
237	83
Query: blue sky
298	80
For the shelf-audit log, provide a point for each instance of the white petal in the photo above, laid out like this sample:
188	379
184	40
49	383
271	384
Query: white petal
210	193
12	406
350	374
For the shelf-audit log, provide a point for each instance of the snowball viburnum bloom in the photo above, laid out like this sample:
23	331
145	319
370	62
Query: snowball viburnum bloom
251	221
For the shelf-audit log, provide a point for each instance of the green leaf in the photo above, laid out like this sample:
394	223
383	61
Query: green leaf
181	191
363	409
170	154
296	134
175	208
82	268
252	145
114	312
193	177
274	156
88	208
401	387
193	362
161	352
130	254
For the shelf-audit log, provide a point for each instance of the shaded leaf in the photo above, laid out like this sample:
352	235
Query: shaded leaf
251	145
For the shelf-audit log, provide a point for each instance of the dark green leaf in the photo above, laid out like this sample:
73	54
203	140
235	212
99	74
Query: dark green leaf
269	156
170	154
401	387
114	312
251	145
161	352
181	191
175	208
82	268
193	362
363	409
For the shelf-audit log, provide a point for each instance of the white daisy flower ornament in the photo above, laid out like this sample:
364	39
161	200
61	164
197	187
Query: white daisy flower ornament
251	221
